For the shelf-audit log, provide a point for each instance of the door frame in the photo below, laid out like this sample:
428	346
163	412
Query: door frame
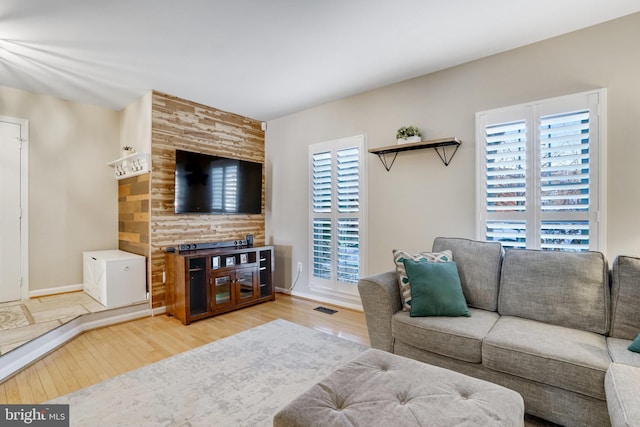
24	202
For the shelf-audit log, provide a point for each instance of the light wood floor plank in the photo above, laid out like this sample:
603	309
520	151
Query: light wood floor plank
12	390
37	388
67	367
48	384
107	352
58	379
25	392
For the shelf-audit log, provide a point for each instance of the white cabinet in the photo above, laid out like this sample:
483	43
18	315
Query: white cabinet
114	278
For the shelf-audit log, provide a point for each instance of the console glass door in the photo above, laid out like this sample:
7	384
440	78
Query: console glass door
246	279
222	287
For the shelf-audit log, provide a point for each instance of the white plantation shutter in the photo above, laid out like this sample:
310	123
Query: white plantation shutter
321	182
336	213
348	179
505	177
322	254
565	180
348	231
539	174
348	268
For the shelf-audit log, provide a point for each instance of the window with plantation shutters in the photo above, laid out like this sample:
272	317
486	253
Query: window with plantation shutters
539	174
336	214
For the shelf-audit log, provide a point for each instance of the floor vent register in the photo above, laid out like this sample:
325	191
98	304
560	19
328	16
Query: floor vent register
325	310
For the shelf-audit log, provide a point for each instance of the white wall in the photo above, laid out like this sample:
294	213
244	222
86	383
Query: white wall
72	192
420	198
135	126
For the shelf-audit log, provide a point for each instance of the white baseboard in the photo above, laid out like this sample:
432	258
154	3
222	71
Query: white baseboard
20	357
53	291
327	300
157	311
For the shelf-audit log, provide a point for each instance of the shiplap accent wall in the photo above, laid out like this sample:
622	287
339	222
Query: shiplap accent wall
180	124
133	216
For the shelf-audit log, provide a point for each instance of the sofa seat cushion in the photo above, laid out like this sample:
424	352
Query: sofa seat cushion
619	352
456	337
622	385
567	358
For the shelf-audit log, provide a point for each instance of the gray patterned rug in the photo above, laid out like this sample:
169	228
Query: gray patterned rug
242	380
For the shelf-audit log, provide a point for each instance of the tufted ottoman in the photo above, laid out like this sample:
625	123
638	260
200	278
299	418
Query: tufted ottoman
382	389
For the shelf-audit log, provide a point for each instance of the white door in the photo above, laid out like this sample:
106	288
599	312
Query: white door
10	209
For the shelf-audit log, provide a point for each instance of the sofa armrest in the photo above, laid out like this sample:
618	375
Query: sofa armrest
380	298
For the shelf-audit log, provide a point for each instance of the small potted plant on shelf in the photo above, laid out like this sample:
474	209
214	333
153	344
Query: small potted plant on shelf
127	150
408	134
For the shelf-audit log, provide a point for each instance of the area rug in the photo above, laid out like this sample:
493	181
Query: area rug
13	316
242	380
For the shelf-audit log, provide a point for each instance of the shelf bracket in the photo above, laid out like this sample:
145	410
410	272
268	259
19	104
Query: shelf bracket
385	162
443	156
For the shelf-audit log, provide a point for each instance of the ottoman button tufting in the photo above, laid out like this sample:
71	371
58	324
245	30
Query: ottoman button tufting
416	394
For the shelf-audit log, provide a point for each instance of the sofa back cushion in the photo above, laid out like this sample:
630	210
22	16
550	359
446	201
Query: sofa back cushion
625	298
478	267
561	288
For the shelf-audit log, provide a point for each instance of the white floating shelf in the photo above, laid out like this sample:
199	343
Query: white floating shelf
132	165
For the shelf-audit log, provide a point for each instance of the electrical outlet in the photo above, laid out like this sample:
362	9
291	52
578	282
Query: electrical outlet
299	267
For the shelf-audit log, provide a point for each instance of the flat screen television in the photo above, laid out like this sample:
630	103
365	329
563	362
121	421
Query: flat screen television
216	185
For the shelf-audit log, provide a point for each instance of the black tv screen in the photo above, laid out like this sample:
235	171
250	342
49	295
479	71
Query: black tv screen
217	185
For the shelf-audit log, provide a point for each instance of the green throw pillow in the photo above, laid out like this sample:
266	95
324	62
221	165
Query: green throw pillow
403	280
635	345
435	289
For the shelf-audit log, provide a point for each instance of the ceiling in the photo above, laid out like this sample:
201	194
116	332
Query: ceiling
263	58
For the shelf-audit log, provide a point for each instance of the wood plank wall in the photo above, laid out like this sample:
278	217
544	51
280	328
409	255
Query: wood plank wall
180	124
133	216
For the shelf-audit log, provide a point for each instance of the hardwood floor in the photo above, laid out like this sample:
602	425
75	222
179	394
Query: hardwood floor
104	353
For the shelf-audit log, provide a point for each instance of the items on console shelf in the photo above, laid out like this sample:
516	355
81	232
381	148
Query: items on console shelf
247	241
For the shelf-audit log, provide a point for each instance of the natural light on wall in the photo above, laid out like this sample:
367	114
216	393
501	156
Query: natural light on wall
35	66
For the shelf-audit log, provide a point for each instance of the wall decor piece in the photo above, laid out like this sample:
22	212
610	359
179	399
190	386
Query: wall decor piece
133	164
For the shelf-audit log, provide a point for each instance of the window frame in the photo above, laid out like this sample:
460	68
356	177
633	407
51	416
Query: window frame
333	287
531	113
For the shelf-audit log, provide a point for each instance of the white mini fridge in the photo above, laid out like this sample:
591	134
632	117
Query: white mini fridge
114	278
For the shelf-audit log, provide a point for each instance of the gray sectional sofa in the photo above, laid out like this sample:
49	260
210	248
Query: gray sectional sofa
545	324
